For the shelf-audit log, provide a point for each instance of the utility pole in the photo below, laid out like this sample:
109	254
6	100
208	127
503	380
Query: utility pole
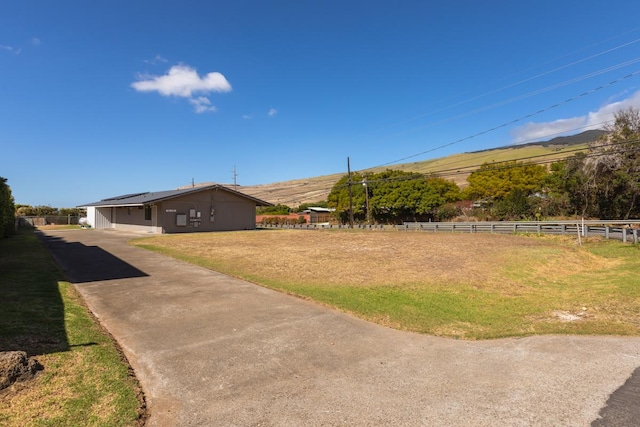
235	175
350	195
366	195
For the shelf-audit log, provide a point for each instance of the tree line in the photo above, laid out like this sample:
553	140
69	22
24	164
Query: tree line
602	182
7	210
43	210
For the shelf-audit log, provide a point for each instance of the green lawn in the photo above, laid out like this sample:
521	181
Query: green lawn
85	381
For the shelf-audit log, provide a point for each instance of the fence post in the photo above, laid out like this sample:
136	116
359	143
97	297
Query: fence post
563	229
624	235
606	232
635	237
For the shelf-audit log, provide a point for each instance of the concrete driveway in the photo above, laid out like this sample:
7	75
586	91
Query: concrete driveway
211	350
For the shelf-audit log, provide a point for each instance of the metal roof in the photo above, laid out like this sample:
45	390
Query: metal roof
141	199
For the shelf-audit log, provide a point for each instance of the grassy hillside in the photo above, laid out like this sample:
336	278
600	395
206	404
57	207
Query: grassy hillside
456	167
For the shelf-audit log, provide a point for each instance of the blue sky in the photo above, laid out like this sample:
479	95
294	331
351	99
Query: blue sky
104	98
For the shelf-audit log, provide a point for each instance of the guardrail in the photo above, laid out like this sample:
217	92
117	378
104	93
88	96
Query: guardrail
624	230
615	229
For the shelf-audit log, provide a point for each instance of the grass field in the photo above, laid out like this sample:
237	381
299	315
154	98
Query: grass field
469	286
85	381
59	227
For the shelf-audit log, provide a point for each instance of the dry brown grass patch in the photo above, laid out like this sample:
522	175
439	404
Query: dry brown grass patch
362	258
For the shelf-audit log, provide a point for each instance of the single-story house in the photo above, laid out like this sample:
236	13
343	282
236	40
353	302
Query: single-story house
207	208
318	215
313	215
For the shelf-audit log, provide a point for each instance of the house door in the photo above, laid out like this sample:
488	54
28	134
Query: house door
102	218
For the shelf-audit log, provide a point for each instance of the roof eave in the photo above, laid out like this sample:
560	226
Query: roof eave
96	205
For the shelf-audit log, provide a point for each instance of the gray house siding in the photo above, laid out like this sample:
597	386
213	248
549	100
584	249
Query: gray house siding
212	208
131	219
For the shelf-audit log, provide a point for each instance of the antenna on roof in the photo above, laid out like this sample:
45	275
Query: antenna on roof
193	183
235	175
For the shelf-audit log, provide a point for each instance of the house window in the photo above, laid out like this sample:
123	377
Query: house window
147	212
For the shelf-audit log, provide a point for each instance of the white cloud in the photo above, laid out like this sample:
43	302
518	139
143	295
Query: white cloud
35	41
202	104
539	131
157	60
272	112
11	49
592	120
247	117
606	112
183	81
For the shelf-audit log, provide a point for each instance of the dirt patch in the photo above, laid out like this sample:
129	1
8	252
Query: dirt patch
15	366
565	316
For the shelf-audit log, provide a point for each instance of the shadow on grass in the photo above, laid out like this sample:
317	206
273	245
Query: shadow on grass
32	311
31	307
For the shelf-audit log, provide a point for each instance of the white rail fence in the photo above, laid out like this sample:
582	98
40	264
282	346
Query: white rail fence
48	219
624	230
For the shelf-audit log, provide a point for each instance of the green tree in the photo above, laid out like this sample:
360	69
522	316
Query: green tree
7	209
393	196
43	210
72	211
338	198
274	210
25	210
516	205
569	189
495	181
611	169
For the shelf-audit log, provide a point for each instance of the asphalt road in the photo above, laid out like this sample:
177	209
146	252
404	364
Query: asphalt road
211	350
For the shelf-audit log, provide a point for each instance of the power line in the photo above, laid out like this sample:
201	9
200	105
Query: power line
508	164
529	94
450	172
519	119
545	73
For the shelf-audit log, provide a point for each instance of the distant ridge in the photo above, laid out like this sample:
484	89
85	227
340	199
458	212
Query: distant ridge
457	166
577	139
